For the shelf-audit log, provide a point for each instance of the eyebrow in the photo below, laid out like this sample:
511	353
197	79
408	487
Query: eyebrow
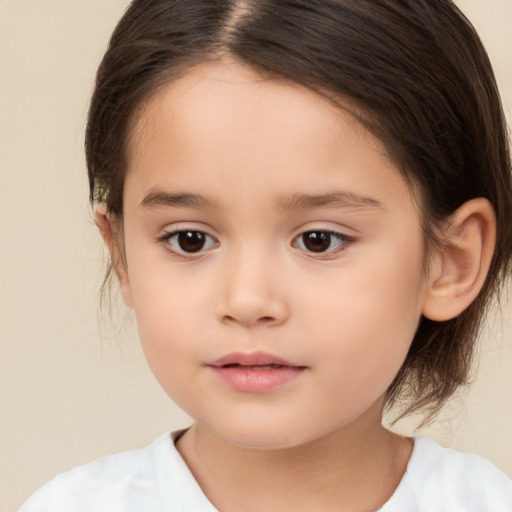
336	199
157	198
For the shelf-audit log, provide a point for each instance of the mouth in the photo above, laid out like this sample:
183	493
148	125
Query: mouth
255	360
256	372
255	367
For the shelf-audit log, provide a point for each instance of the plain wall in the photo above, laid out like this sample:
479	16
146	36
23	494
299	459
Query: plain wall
70	390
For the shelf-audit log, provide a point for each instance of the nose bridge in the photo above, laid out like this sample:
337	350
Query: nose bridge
251	293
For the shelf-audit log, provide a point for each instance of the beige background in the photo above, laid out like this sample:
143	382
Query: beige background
70	389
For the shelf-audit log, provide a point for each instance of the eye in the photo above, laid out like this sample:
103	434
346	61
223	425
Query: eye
321	241
189	241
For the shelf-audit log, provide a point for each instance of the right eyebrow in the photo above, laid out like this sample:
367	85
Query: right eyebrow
157	198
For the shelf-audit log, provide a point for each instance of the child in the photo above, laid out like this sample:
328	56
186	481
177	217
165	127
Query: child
308	207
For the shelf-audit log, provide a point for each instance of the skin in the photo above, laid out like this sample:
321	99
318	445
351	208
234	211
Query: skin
249	147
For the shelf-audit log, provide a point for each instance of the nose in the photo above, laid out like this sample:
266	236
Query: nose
250	293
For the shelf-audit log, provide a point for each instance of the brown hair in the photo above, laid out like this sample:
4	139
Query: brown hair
415	69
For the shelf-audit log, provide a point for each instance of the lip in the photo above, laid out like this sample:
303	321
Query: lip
250	359
255	372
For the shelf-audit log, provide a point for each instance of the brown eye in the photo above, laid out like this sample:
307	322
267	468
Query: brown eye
316	241
190	241
320	241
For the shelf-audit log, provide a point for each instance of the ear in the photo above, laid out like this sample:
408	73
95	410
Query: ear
111	232
459	267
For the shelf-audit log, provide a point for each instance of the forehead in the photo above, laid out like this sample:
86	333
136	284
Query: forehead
232	95
223	122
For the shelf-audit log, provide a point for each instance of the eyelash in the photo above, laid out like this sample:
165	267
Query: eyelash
168	237
298	242
333	236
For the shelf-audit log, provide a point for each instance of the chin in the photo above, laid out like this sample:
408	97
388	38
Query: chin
263	436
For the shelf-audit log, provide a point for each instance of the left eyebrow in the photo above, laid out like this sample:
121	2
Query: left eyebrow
157	198
336	199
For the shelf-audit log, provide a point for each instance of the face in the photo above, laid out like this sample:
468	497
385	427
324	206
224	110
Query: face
273	257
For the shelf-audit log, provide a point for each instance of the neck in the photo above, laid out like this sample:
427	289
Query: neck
354	469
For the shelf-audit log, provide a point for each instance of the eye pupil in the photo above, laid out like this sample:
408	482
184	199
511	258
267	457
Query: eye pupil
191	241
317	241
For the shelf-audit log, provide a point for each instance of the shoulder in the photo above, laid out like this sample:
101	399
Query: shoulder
152	478
440	478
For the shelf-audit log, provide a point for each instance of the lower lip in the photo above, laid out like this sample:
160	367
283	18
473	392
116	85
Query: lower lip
256	381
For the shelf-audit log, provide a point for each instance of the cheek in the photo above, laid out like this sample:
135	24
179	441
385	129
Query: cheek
370	316
168	314
165	318
168	337
166	299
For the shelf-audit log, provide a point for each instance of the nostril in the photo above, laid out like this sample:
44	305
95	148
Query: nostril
251	310
262	320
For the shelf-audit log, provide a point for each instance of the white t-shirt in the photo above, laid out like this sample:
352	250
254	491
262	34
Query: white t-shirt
156	479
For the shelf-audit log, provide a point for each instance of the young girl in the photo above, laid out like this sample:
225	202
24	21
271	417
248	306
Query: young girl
308	207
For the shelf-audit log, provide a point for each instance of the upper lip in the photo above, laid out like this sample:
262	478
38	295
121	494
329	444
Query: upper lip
250	359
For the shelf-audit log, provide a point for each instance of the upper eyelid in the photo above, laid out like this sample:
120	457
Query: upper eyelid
326	227
331	232
320	226
169	233
176	227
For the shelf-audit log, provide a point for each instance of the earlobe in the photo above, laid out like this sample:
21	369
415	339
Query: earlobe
111	233
458	269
